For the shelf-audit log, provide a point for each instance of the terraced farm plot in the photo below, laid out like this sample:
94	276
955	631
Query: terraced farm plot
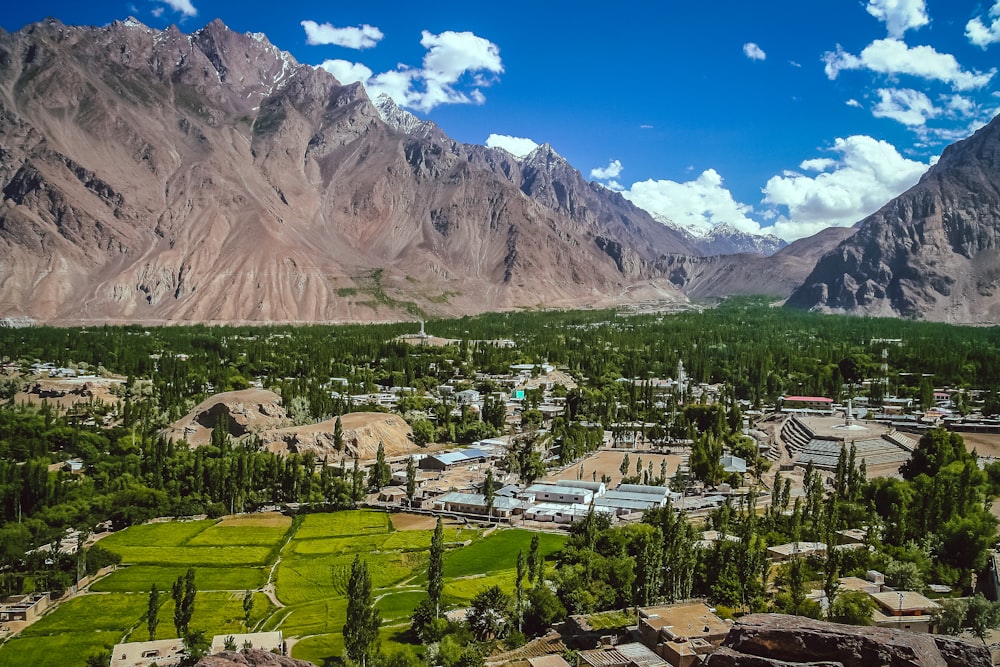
234	555
215	613
495	552
139	578
342	524
309	578
74	631
414	540
91	613
69	649
166	534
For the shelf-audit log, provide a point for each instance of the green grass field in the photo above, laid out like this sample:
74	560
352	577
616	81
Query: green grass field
236	554
166	534
495	552
343	524
70	649
139	578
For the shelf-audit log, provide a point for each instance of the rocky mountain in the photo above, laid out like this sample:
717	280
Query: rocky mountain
156	176
724	239
718	276
932	253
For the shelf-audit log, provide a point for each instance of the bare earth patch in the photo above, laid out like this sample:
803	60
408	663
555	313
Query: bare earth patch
984	444
608	462
262	520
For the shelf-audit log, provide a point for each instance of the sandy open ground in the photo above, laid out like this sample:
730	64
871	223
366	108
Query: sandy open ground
985	444
404	521
608	462
261	520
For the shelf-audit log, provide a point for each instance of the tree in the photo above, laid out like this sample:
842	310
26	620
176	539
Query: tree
852	608
534	559
544	609
177	593
435	569
338	435
187	601
411	480
623	468
982	616
152	612
361	640
379	474
247	607
949	618
489	496
489	614
423	431
519	587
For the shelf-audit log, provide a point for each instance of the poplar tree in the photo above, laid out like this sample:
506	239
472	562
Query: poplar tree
435	570
411	480
152	613
534	560
363	621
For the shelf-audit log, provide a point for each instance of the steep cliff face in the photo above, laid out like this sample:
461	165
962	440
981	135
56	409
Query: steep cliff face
156	176
932	253
775	640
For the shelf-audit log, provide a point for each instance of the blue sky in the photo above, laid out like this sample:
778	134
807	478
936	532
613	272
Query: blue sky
772	116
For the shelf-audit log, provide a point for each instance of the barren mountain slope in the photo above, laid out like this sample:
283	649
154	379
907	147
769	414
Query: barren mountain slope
155	176
932	253
747	274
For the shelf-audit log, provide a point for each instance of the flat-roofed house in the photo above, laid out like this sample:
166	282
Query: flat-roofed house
681	633
160	653
623	655
557	493
782	552
475	503
904	610
449	460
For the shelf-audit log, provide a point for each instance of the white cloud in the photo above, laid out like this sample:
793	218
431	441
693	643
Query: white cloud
450	56
754	52
853	103
698	205
185	7
899	15
360	37
982	34
456	66
346	72
613	170
905	105
865	175
518	146
892	56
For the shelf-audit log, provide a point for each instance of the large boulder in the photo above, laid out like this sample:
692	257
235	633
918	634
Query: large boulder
776	640
250	657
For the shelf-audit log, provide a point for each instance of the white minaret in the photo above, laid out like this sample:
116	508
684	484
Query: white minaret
422	333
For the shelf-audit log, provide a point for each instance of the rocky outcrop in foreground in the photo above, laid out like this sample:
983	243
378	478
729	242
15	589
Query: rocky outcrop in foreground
775	640
250	657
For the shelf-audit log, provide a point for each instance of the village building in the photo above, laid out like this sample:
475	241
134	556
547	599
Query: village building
449	460
158	653
557	493
904	610
475	503
820	403
623	655
25	608
681	633
783	552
